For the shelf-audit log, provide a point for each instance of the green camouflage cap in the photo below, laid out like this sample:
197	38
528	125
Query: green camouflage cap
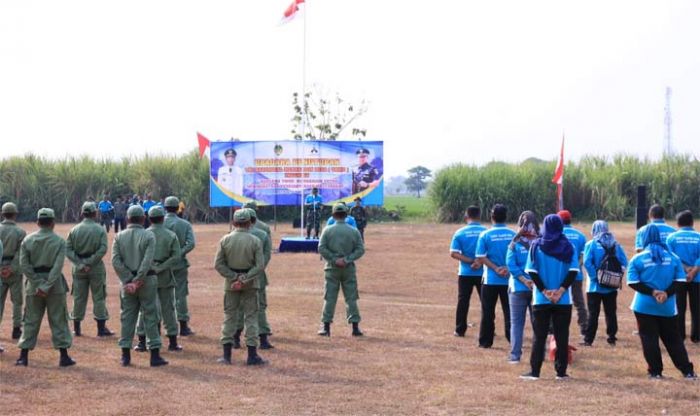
135	211
340	207
9	208
251	204
45	213
156	211
171	202
252	213
88	208
241	215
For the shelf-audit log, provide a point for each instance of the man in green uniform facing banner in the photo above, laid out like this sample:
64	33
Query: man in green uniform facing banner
86	245
11	237
41	258
132	259
185	237
166	255
258	222
263	325
240	261
340	245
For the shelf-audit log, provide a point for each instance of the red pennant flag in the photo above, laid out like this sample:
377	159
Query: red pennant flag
558	177
291	11
203	145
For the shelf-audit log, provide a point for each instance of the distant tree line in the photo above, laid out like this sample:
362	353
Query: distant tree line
595	187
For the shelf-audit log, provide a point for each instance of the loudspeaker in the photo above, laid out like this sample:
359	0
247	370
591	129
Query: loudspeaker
642	206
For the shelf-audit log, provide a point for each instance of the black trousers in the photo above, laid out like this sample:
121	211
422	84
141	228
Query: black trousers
580	304
651	328
466	285
560	318
119	222
609	301
489	296
689	293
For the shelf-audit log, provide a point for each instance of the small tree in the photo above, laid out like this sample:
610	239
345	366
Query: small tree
416	179
320	118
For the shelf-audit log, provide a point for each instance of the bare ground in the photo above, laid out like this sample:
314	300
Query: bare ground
408	362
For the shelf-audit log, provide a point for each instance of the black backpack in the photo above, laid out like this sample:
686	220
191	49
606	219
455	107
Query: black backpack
610	273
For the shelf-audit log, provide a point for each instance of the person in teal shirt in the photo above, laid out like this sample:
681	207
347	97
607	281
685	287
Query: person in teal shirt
685	243
491	249
552	266
520	284
463	249
655	274
593	255
656	216
313	204
349	221
578	239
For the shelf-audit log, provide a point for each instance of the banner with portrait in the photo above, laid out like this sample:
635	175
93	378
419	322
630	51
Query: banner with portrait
280	172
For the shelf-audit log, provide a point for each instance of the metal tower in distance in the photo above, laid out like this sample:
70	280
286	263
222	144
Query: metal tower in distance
668	148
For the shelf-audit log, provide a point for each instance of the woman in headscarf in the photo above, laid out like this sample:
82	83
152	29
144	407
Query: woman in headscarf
655	274
552	267
520	285
593	254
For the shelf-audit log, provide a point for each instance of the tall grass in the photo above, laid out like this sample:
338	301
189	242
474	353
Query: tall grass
595	187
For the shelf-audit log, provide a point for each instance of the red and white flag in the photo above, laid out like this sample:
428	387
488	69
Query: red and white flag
292	11
203	146
558	177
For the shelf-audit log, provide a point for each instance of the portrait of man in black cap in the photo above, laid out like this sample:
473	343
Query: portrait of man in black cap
364	175
229	175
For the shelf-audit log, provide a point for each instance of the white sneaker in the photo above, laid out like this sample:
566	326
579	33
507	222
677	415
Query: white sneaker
513	361
529	376
562	378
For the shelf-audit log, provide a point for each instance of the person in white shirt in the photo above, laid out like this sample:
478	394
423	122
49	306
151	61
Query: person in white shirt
230	176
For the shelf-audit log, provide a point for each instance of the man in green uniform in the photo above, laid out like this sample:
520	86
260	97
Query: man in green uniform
85	246
258	223
11	237
132	259
263	325
185	237
240	260
41	259
166	255
340	246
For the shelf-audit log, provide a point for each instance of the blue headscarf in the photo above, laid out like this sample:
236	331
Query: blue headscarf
553	241
651	240
602	234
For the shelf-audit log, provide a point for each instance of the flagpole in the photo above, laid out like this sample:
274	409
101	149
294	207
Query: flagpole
303	119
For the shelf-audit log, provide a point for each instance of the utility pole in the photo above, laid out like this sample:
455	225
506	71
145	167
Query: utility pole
668	147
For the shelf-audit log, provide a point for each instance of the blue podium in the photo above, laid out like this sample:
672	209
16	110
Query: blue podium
298	245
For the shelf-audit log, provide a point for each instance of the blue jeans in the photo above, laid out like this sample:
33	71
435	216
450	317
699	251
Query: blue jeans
520	303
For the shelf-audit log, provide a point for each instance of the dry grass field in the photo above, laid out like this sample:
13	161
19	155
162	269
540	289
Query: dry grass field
408	362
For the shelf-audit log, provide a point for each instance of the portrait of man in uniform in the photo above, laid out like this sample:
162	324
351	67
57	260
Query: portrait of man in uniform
364	175
231	176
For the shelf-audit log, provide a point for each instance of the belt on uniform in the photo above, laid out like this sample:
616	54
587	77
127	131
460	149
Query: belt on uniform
8	258
151	273
240	270
42	269
85	256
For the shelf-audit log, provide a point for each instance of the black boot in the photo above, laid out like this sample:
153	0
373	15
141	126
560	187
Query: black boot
185	329
226	358
325	330
237	340
65	360
356	330
23	358
156	359
16	332
172	346
102	330
254	358
265	343
76	328
141	346
126	357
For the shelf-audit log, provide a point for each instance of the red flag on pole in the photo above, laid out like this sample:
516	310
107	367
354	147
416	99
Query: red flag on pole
291	11
558	177
203	145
